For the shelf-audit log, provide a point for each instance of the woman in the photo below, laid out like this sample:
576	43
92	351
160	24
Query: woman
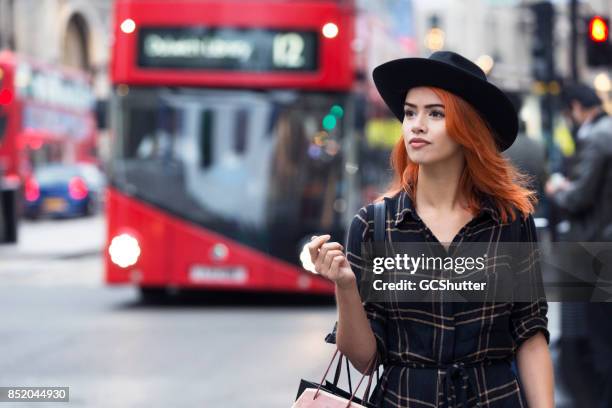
451	185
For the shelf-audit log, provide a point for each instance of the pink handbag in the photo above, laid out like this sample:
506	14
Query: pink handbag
321	398
312	398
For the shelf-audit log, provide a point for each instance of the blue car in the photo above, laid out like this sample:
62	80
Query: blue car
63	190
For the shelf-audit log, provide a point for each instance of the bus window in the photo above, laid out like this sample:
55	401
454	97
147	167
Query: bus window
206	136
154	133
227	172
141	128
240	131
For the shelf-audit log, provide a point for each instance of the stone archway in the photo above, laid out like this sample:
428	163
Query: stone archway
75	52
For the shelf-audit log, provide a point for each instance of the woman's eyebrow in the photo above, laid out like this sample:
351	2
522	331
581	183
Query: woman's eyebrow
433	105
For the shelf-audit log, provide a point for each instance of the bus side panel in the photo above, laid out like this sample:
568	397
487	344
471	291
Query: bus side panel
144	224
11	112
195	257
240	268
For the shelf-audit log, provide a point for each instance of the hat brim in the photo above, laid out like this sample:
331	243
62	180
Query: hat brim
395	78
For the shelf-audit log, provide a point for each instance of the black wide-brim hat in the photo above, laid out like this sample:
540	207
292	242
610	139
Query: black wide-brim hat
456	74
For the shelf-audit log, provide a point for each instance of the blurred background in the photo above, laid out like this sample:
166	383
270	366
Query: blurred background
162	164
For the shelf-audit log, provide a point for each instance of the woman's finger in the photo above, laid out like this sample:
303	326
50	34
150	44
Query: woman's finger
314	245
331	245
323	251
335	265
328	247
329	256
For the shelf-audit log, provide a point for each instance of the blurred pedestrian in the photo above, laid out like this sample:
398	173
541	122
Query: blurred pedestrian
529	156
591	186
586	197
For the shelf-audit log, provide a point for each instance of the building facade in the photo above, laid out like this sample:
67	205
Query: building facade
74	33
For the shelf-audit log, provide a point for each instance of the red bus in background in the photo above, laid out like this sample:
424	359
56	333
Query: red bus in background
46	115
231	125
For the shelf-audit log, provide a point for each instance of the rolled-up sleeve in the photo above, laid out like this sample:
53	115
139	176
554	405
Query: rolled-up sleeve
359	232
528	315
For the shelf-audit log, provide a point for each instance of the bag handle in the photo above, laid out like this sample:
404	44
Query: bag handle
326	371
339	371
369	370
348	374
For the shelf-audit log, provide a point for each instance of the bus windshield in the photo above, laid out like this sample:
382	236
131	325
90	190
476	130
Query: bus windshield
256	166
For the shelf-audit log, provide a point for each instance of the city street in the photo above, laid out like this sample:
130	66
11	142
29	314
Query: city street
62	327
167	145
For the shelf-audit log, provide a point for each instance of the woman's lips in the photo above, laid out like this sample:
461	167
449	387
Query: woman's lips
418	143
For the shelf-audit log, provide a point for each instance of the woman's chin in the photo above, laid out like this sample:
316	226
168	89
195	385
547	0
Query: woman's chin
420	159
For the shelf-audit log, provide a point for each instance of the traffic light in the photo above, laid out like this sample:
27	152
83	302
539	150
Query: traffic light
331	119
598	47
542	45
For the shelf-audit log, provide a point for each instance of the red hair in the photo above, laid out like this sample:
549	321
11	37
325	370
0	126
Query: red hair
486	171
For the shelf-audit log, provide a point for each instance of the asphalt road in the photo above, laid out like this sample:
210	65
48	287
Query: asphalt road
60	326
113	351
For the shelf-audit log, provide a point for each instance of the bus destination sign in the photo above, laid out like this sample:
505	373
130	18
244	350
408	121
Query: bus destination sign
227	49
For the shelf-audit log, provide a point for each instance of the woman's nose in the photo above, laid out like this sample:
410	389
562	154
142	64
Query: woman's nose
418	125
417	129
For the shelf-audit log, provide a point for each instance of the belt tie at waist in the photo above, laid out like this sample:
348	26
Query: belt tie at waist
455	377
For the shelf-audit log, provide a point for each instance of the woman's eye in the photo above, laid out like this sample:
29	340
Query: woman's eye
437	114
409	113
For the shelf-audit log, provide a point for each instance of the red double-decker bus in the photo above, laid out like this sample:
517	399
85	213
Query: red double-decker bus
47	114
231	124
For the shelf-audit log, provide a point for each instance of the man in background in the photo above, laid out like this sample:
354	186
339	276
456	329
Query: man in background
586	350
584	195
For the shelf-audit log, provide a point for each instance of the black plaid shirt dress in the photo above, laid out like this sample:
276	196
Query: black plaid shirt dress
449	354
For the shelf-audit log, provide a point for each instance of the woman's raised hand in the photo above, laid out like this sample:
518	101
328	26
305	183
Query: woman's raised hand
329	261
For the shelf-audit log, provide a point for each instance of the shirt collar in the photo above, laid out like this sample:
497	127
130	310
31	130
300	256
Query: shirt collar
488	206
406	206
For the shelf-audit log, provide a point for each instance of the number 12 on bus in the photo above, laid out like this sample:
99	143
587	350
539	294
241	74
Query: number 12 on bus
230	123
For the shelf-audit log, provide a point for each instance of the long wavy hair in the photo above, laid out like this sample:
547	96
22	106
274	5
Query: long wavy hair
486	171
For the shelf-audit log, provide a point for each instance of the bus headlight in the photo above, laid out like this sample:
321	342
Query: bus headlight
124	250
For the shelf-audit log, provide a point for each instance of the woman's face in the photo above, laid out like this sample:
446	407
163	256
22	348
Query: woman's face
424	128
